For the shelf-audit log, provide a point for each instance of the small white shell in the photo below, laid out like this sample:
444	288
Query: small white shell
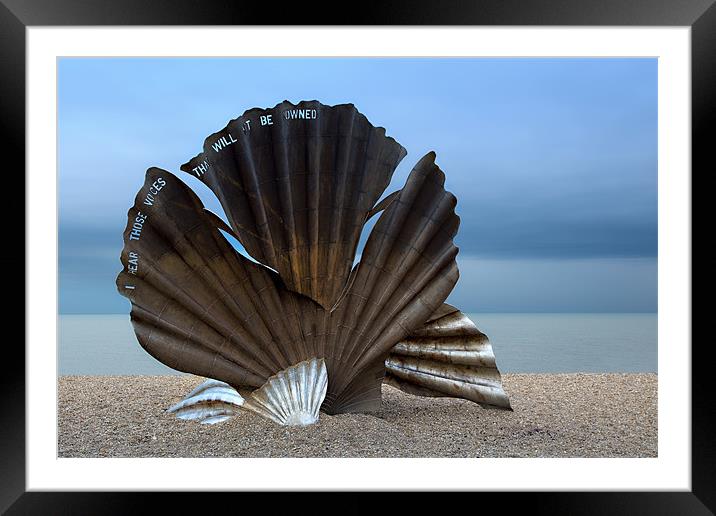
292	397
211	402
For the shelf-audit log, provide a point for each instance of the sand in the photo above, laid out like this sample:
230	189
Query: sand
555	415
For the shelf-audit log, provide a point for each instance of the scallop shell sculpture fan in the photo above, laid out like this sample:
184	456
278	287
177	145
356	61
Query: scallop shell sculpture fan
297	184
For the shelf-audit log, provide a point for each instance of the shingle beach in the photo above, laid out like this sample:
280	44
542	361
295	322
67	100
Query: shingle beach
555	415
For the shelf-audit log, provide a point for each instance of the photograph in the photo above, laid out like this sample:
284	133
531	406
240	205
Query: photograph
357	257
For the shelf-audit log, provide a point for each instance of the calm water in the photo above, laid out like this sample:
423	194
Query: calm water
106	345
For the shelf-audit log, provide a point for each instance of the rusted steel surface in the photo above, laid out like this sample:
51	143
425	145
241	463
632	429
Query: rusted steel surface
447	356
297	202
201	307
297	183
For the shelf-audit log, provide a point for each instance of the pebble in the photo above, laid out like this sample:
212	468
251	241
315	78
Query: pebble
555	415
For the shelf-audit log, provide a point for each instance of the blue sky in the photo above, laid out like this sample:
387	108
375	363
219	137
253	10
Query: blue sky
553	161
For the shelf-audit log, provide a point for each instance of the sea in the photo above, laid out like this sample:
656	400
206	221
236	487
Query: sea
523	343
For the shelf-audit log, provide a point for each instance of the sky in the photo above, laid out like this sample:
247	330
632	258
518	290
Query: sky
553	162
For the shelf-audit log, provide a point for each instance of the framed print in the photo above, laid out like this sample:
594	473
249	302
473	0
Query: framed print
417	249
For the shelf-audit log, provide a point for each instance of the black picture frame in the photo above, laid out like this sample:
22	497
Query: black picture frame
17	15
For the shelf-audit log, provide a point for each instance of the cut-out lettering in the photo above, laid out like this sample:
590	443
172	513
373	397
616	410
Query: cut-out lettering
223	142
137	226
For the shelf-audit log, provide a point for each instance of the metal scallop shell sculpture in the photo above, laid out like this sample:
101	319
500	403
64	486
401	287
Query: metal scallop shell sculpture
297	184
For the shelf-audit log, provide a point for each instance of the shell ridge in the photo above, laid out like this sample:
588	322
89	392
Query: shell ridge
303	312
208	383
454	324
202	414
139	315
344	153
226	396
270	402
283	398
355	399
253	241
304	398
376	251
146	334
293	391
155	229
307	402
357	390
150	339
145	340
312	395
479	393
414	275
269	299
362	356
343	333
280	203
474	356
216	284
283	394
347	332
343	329
263	408
474	375
383	204
322	380
443	311
444	374
372	258
288	396
365	186
357	183
297	310
255	353
409	263
259	208
323	324
313	201
172	236
241	265
162	322
411	293
284	186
